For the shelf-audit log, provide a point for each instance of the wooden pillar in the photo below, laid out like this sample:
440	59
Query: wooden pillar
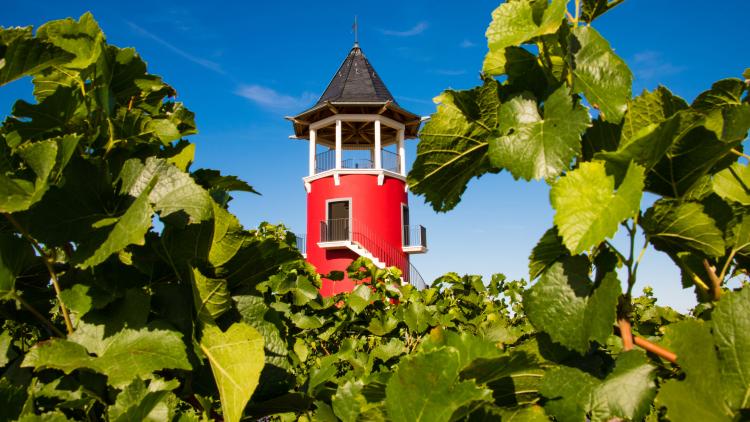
378	153
313	133
338	144
401	153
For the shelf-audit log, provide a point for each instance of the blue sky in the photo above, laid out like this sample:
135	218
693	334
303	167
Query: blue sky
242	66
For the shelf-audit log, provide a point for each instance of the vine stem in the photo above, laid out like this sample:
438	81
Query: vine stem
739	154
47	262
626	333
650	347
715	280
38	315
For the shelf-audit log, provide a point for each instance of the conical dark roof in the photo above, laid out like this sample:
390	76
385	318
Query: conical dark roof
356	81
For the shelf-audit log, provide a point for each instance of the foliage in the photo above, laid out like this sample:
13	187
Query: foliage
108	315
555	105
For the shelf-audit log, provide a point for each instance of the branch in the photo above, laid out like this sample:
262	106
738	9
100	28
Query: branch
38	315
651	347
739	154
715	281
627	334
48	263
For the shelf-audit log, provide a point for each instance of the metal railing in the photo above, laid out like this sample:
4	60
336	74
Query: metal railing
326	160
345	229
301	243
415	236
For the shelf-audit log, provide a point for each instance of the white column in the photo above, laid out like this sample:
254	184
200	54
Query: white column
338	144
378	154
313	133
401	153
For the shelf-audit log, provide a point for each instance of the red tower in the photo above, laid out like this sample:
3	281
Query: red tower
357	203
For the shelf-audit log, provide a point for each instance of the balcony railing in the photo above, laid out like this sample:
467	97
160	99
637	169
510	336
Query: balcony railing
326	160
345	229
415	236
300	243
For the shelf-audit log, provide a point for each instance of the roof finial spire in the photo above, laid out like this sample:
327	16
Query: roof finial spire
355	28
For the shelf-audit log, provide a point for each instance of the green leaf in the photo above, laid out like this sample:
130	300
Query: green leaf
127	355
726	115
469	346
600	74
26	56
420	390
514	23
572	310
128	229
626	392
648	110
676	225
174	191
348	402
588	209
83	38
359	298
732	337
699	396
382	325
547	251
453	144
211	295
138	402
214	180
513	378
16	254
18	194
591	9
535	146
733	184
6	351
236	357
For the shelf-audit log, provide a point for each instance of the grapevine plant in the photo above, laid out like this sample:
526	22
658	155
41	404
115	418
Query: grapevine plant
128	291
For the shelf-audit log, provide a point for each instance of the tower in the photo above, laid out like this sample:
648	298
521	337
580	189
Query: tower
357	202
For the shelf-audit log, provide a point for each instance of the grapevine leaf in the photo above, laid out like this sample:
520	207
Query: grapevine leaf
469	347
83	38
732	337
698	397
514	379
213	179
6	352
127	355
62	111
726	115
18	194
567	306
536	147
26	56
674	225
601	136
348	402
421	391
453	144
648	110
588	209
600	74
625	393
514	23
12	399
591	9
16	254
738	234
733	183
138	402
128	229
696	154
212	297
547	251
236	357
174	191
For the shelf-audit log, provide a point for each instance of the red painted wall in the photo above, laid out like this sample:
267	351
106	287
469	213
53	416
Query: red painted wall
377	207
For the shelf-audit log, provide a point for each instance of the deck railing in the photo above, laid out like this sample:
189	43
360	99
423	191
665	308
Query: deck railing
415	236
326	160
